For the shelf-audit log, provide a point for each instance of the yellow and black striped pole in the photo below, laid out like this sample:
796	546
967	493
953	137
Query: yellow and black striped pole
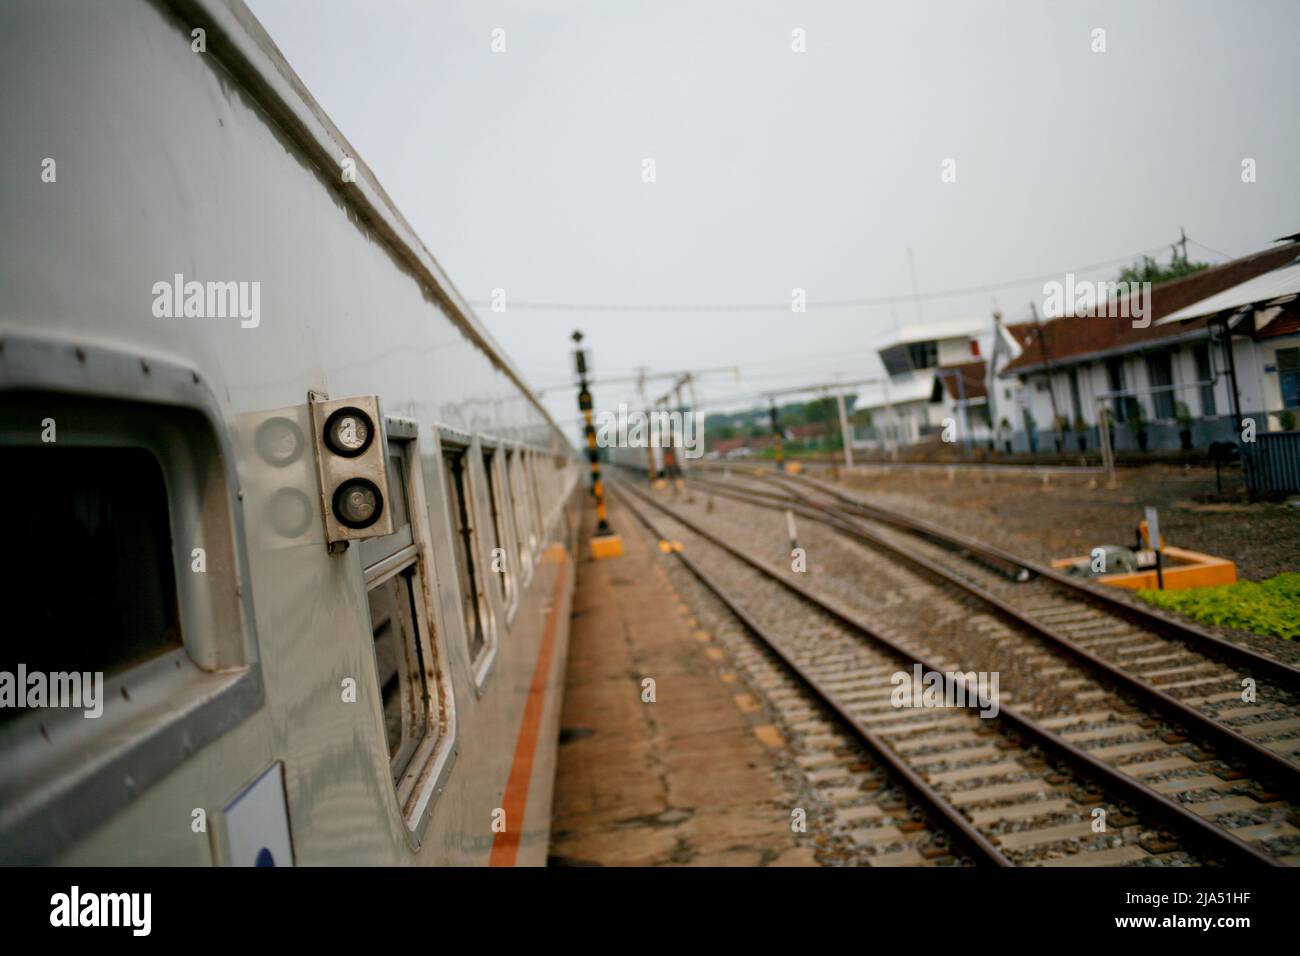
593	458
604	543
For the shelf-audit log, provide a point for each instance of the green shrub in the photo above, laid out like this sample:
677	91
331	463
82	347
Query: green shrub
1264	607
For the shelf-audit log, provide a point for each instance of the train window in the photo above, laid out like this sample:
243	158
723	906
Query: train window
461	518
525	536
123	587
537	494
505	576
404	692
414	690
395	590
100	516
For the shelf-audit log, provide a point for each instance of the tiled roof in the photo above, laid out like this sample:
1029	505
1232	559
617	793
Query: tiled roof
1074	337
811	430
972	377
1022	332
1286	323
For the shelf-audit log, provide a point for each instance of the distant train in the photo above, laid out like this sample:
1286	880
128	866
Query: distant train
281	511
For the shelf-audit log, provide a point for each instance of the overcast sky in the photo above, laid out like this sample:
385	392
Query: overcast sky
523	170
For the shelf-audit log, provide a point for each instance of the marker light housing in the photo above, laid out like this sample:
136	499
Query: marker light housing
351	462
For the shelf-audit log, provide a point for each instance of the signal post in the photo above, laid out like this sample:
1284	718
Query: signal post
604	543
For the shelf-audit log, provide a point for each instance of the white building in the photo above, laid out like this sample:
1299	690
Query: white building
934	373
1223	345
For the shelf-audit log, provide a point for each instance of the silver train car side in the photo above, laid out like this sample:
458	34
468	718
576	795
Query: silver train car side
311	638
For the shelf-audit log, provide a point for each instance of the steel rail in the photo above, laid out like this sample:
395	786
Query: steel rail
1213	838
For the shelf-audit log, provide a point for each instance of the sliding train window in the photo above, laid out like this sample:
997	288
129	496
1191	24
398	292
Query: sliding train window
525	535
462	519
123	588
410	658
534	480
501	568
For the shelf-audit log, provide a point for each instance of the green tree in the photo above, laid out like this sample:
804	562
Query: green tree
1149	270
821	410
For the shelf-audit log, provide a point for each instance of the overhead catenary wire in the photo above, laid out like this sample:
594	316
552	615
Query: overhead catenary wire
811	305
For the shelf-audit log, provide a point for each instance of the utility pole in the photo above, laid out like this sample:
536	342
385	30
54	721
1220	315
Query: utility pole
680	448
890	440
776	433
649	445
916	295
846	436
670	456
1051	387
604	543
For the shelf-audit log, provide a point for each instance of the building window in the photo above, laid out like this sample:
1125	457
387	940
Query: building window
460	516
1160	370
1115	382
1288	376
923	354
1076	403
1205	374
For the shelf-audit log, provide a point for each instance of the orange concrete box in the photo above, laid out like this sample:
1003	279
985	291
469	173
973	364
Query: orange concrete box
1182	569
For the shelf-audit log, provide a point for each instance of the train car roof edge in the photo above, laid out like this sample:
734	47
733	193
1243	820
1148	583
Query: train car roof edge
238	40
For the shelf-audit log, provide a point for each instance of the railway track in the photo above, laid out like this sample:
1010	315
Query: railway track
1107	599
1015	779
1184	672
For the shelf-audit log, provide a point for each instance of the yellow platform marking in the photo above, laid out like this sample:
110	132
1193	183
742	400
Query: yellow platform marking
715	654
746	703
703	636
769	735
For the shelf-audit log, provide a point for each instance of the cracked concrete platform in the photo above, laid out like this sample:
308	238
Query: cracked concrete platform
688	780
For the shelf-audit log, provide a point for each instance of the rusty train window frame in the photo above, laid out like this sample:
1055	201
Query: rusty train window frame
420	778
525	541
493	454
467	549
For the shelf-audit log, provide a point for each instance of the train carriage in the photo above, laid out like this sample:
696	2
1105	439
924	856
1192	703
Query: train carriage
283	497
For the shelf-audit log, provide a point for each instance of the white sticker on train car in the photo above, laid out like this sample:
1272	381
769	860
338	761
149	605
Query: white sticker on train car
257	823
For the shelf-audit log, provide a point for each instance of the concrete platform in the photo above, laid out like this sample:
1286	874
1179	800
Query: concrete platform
687	780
